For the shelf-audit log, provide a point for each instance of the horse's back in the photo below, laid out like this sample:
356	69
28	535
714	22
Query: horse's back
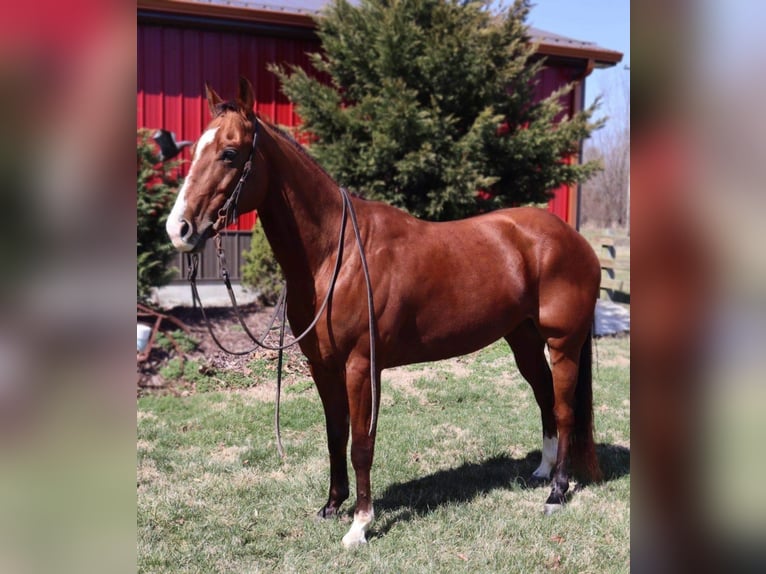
525	239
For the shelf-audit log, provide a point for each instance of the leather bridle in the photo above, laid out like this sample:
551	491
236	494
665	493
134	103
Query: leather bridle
228	213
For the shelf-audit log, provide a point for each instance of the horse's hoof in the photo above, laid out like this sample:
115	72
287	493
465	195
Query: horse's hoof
326	512
555	501
552	508
355	536
353	540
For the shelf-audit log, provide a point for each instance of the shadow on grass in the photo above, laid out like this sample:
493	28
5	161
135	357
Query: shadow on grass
422	496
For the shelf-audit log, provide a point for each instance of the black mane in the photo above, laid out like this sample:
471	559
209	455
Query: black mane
222	107
298	147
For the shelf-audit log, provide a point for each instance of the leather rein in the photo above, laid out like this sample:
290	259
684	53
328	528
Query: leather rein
227	215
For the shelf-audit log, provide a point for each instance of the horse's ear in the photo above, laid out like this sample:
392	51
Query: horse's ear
245	99
213	99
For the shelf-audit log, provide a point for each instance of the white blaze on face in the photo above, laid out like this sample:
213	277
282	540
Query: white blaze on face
175	219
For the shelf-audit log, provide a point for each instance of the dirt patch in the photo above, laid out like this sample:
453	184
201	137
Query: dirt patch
402	379
144	445
209	359
147	472
227	454
618	361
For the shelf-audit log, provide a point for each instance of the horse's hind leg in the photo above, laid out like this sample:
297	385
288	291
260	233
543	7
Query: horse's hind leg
565	362
333	394
528	349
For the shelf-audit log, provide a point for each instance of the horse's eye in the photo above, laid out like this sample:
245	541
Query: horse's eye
229	155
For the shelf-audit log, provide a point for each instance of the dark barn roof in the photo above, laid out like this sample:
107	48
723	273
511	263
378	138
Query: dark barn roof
301	13
556	45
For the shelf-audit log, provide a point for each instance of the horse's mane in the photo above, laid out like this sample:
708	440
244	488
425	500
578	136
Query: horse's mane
287	137
284	135
222	107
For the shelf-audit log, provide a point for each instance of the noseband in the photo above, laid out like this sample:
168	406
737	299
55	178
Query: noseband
228	214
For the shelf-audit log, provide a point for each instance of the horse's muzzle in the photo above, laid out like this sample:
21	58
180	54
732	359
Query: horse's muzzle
187	239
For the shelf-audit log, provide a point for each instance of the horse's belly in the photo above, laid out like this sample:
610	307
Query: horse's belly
450	333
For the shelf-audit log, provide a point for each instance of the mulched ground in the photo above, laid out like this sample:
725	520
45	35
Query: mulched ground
207	353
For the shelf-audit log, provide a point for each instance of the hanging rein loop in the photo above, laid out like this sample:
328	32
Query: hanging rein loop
228	214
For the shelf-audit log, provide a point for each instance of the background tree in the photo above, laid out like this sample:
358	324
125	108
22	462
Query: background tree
260	269
432	101
606	197
157	185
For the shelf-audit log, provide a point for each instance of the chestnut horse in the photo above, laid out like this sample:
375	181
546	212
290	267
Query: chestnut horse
440	290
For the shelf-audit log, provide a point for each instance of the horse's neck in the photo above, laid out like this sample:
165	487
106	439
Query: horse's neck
301	212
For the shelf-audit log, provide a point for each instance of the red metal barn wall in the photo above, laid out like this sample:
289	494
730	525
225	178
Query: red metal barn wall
551	79
175	61
173	65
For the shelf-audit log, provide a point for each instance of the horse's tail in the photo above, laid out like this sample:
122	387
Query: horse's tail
582	447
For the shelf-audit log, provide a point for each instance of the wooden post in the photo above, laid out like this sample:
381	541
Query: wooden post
608	257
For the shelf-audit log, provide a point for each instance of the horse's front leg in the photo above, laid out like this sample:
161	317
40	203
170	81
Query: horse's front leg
362	448
332	391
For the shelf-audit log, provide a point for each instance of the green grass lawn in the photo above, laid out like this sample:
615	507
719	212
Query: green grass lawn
457	441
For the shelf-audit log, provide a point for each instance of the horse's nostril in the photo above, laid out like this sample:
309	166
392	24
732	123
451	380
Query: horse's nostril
186	229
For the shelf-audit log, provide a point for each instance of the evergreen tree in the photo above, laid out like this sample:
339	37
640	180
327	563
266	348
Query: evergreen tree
157	185
260	269
430	107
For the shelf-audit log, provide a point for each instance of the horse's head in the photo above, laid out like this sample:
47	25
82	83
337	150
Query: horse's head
220	157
